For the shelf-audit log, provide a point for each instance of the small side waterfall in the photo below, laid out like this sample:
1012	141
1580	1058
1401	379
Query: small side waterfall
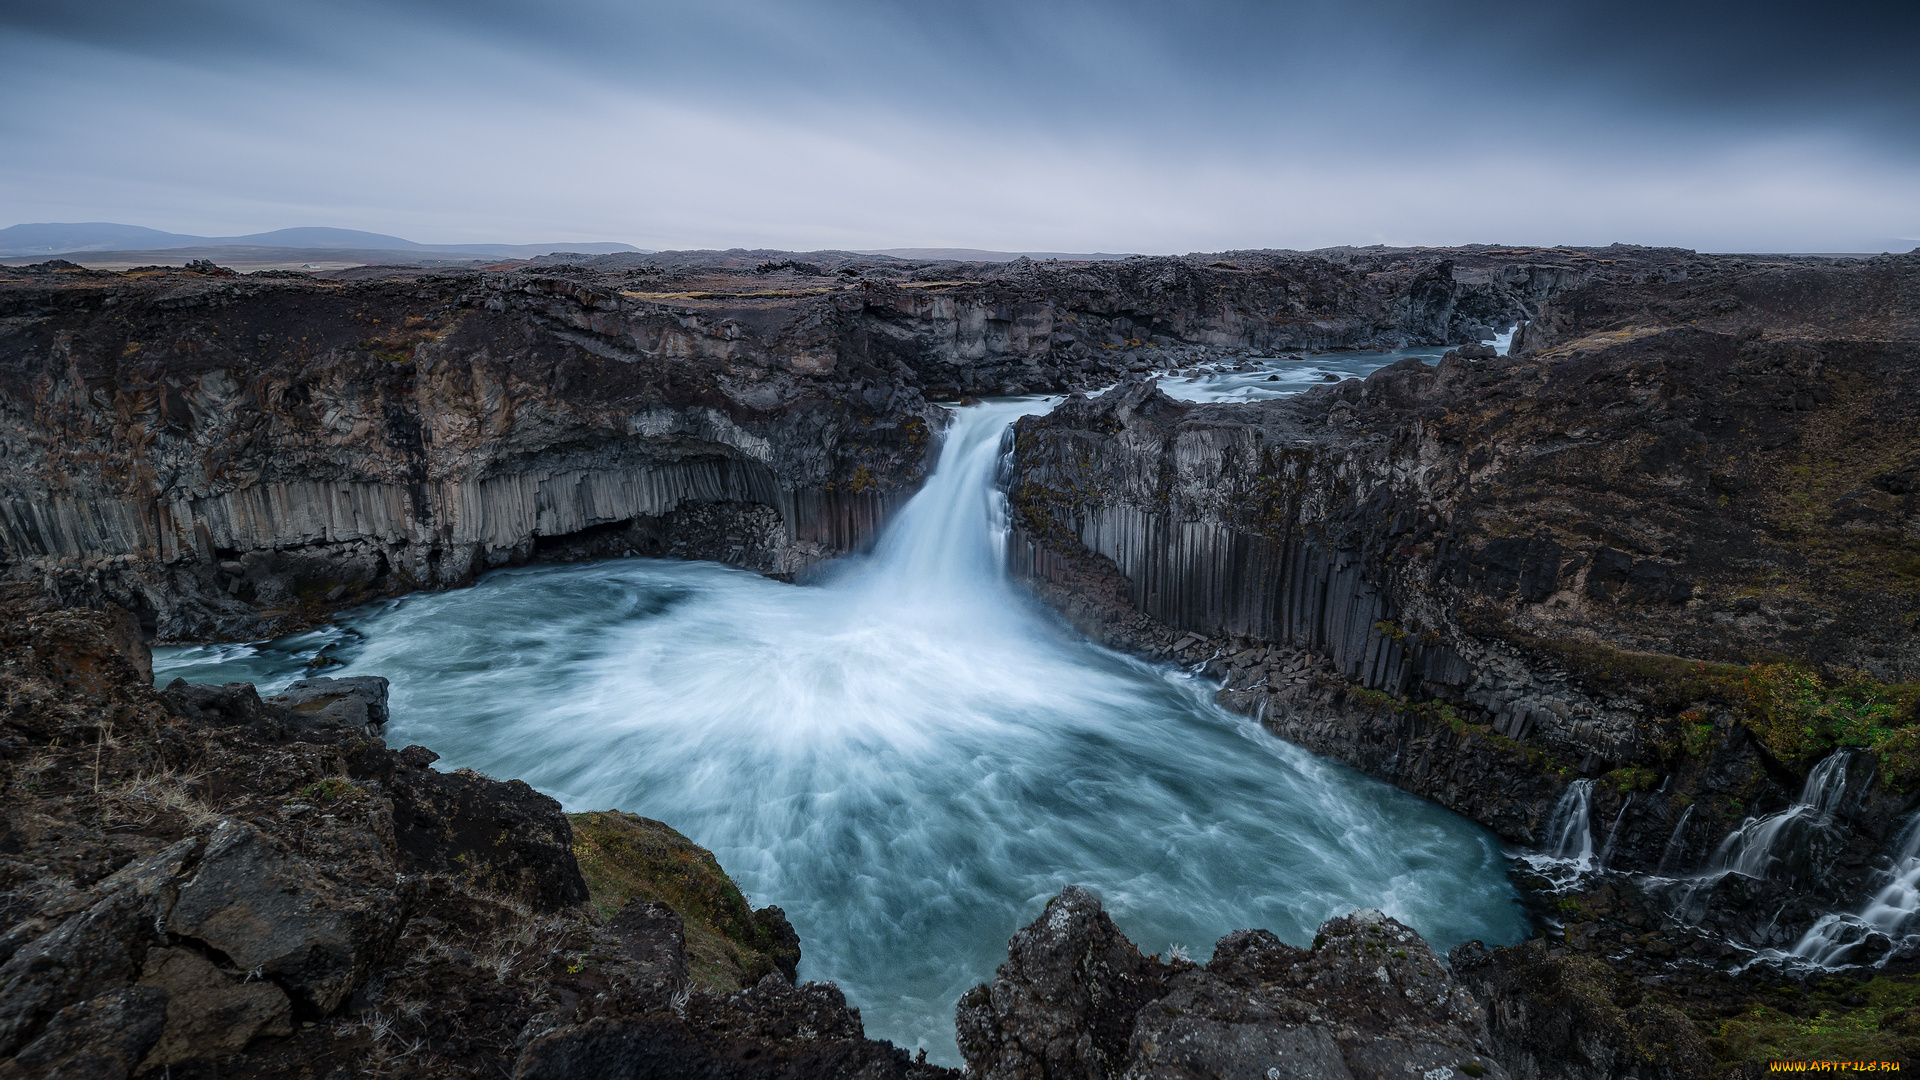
1798	843
1570	829
1676	844
1613	833
1762	844
1843	938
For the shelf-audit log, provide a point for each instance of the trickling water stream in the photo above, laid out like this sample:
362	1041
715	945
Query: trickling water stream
909	758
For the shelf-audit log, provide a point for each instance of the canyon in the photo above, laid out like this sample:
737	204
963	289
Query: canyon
1656	567
233	456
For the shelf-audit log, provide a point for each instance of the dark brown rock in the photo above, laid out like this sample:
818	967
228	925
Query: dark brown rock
269	914
209	1014
1063	1004
503	837
102	1038
348	703
1557	1017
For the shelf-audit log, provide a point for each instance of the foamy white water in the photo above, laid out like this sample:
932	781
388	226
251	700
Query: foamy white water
910	758
1264	378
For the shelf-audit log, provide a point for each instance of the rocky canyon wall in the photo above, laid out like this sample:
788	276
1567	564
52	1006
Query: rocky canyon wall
1647	551
234	457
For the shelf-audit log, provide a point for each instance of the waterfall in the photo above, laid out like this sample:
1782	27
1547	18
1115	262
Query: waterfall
905	755
1761	844
1838	939
1797	843
1676	844
1613	833
1569	831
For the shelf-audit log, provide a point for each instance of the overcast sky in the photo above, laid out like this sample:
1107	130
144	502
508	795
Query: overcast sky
1027	125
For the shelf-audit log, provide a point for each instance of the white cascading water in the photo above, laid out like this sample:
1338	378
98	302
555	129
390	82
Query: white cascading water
909	758
1762	843
1676	848
1797	842
1613	833
1570	829
1842	938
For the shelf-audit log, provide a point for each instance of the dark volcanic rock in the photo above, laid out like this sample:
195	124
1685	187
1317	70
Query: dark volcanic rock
1474	579
1077	999
102	1038
203	883
1560	1018
1064	1002
503	837
268	913
355	702
235	457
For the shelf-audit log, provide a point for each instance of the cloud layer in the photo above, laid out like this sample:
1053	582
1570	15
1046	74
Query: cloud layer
1062	126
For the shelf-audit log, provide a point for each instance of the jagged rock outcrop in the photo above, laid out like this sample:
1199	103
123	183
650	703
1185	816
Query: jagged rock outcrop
1076	999
236	456
1562	1018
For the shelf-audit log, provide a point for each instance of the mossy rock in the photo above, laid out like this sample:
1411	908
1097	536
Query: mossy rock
729	944
1838	1020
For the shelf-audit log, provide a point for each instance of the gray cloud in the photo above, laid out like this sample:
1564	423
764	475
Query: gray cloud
1039	125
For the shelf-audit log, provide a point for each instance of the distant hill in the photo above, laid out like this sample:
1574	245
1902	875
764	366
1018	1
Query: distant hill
55	238
977	255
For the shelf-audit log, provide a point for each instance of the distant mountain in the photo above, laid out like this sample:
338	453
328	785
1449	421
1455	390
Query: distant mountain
977	255
49	238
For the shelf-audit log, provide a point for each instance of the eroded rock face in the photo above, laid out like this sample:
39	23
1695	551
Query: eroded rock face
1077	999
1478	578
236	457
1559	1017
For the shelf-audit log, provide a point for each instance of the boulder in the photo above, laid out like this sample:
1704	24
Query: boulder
102	1038
1063	1004
654	937
360	701
209	1013
274	914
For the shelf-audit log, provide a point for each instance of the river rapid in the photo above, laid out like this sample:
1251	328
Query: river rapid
907	754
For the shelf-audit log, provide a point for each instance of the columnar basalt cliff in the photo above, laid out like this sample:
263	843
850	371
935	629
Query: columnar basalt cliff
229	457
235	456
1672	546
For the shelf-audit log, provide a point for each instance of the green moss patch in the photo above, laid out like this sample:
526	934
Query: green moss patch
625	857
1838	1020
1799	713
